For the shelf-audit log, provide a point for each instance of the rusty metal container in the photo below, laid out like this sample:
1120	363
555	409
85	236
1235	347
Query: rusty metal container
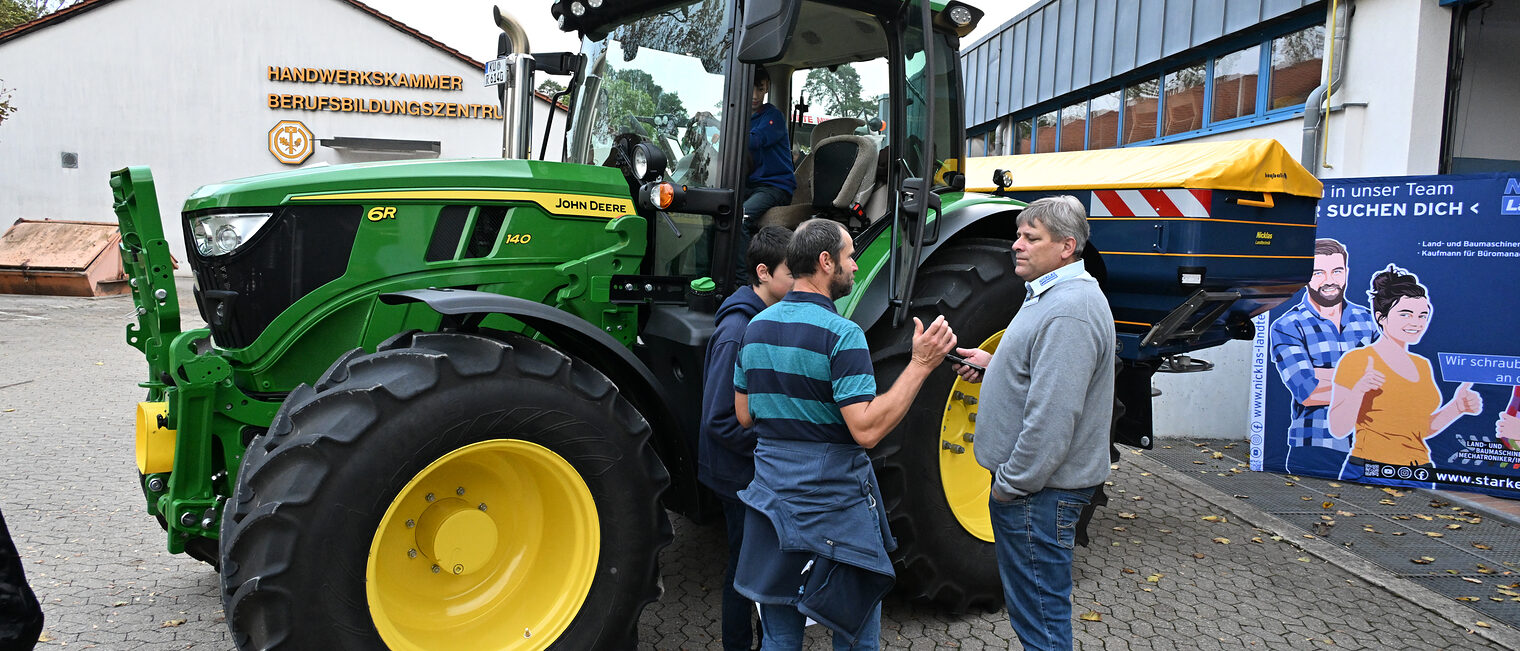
61	258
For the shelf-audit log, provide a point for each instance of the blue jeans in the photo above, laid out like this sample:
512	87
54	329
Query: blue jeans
757	200
1034	536
1315	460
738	628
781	628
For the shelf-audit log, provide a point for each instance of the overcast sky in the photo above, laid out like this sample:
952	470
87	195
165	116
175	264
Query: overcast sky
466	25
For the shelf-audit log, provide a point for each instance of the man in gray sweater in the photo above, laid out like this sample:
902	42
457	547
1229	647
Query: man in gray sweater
1043	419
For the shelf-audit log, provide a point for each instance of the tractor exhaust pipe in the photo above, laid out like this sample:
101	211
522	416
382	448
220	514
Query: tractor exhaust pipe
517	91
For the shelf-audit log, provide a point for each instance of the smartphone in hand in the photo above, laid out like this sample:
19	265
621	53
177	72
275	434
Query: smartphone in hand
962	361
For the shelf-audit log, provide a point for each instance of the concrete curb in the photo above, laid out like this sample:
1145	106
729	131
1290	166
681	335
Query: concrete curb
1441	606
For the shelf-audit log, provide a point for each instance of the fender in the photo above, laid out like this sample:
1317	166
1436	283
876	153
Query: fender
571	333
875	301
981	219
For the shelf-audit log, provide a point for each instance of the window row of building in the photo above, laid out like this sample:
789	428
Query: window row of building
1233	88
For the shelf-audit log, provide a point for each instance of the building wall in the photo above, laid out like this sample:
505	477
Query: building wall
1486	135
182	86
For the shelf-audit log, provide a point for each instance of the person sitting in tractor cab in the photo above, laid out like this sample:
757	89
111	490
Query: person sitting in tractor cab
771	180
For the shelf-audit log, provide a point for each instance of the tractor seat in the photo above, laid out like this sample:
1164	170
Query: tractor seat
835	179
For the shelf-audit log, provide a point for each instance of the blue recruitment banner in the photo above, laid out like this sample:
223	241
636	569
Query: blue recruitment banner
1399	363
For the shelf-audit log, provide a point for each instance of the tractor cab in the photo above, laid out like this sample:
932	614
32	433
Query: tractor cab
662	89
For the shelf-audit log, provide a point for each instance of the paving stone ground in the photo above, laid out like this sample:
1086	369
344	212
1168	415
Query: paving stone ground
1155	573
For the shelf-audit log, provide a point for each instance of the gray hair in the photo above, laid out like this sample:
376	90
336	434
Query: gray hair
1062	215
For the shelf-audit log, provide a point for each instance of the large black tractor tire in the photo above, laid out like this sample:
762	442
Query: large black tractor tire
971	282
308	549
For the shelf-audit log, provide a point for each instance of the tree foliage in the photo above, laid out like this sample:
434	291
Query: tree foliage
550	87
16	12
6	108
838	92
632	95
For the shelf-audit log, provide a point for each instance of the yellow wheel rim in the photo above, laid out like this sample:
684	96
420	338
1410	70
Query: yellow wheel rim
492	546
966	483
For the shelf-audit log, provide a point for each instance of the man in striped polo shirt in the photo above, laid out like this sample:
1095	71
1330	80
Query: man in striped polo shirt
816	536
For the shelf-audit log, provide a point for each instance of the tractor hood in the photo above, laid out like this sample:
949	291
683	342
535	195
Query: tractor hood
494	174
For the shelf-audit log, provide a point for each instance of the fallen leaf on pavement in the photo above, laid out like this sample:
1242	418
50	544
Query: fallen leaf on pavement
45	637
1423	560
1334	485
1453	526
1127	516
1306	498
1395	493
1128	571
1155	578
1387	502
1120	529
1327	505
1467	598
1091	616
1481	546
1435	534
1345	514
1424	517
172	623
1218	455
1213	518
1303	559
1398	533
1222	540
1198	556
1472	580
1481	623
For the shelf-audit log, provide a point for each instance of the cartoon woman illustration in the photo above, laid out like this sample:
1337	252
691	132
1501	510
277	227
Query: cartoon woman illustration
1387	395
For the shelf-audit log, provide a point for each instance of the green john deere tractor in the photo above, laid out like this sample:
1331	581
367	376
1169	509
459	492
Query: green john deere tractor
446	404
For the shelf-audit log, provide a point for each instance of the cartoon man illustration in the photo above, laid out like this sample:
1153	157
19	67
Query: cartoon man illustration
1307	342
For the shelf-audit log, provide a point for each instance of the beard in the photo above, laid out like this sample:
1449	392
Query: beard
840	285
1319	295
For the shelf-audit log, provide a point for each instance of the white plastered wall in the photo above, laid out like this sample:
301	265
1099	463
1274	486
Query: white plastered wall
182	86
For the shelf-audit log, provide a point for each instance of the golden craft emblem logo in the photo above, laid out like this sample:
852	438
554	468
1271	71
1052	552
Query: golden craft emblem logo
290	142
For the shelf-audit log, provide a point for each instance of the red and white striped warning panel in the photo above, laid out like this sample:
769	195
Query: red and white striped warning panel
1176	202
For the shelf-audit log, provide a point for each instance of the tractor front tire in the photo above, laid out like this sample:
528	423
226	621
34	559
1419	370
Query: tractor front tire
936	494
449	491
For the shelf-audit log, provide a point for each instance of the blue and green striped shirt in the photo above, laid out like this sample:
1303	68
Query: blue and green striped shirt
800	363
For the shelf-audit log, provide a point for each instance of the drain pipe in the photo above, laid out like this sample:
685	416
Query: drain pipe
1317	106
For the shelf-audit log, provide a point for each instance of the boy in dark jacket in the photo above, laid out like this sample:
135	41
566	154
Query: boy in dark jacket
725	459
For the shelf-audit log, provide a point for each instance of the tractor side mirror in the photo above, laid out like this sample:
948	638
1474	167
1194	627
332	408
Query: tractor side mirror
914	191
767	29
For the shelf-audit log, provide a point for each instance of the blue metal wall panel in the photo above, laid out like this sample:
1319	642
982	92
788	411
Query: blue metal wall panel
1066	39
1240	14
1177	30
1050	31
1208	20
1060	46
1008	79
1081	69
990	79
1149	35
1018	96
974	86
1275	8
1103	39
1126	18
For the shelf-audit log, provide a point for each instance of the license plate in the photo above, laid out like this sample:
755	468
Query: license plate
497	72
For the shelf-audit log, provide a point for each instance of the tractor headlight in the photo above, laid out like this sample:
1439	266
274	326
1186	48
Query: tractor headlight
648	162
223	233
960	15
